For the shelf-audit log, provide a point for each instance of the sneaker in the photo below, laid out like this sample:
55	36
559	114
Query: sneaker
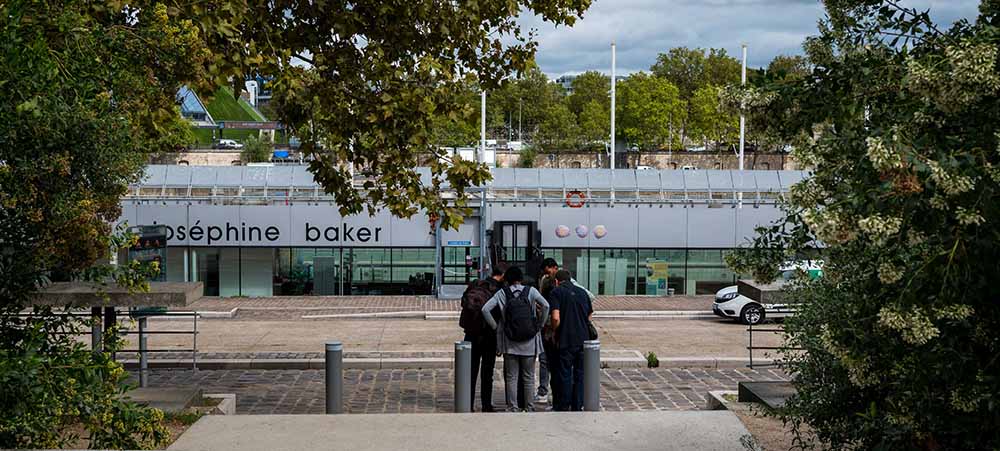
541	399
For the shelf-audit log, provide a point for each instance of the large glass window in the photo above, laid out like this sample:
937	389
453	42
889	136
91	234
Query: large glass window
661	269
707	271
413	270
256	268
616	270
575	261
369	270
461	265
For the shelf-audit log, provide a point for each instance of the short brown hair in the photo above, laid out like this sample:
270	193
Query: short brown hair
563	275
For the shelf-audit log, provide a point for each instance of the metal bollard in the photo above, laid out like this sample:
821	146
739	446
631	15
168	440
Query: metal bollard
334	377
143	355
463	376
592	375
95	329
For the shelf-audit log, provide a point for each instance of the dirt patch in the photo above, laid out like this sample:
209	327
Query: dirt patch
769	433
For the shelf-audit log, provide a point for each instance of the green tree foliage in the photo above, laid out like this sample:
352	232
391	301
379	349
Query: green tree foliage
590	86
558	130
649	110
256	150
902	334
520	105
783	66
378	74
88	94
709	120
594	123
692	69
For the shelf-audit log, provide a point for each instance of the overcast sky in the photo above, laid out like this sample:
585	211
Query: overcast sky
644	28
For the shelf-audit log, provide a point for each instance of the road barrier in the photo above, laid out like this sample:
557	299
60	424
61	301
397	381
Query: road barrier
334	377
592	375
463	376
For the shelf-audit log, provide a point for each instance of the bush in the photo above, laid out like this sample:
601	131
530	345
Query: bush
902	334
652	361
527	157
256	150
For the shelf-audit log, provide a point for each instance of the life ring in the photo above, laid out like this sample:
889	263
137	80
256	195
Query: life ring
579	197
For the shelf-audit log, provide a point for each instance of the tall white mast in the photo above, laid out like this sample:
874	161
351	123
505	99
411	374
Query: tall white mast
612	107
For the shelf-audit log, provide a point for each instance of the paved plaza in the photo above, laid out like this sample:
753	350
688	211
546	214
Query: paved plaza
431	390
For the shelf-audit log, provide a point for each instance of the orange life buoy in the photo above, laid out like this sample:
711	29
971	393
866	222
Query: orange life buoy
575	199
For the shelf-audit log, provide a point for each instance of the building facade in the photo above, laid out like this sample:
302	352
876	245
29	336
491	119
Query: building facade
268	231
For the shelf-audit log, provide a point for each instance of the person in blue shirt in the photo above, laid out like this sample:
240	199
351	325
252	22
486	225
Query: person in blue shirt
572	311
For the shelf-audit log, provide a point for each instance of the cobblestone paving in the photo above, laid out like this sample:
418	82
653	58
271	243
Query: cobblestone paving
430	390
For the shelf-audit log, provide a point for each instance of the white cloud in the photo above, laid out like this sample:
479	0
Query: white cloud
644	28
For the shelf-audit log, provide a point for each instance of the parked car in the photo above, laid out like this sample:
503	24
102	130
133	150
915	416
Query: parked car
227	144
729	303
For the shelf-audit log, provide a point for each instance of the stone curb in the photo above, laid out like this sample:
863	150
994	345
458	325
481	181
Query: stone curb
349	363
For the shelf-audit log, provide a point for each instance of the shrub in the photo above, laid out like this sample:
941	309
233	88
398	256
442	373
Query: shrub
652	361
256	150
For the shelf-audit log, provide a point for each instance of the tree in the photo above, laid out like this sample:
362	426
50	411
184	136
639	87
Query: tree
256	150
709	120
590	86
558	130
783	66
88	94
518	107
377	76
594	123
897	122
648	110
692	69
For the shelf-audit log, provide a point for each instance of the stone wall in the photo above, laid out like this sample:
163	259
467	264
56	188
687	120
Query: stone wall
199	158
657	160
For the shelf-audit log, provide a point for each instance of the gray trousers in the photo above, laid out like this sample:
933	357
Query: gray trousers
543	374
517	367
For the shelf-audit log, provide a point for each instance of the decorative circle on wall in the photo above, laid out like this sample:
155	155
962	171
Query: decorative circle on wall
600	231
562	231
582	231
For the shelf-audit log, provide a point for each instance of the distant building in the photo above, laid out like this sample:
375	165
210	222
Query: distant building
192	108
566	81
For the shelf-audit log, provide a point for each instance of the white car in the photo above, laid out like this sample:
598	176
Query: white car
730	304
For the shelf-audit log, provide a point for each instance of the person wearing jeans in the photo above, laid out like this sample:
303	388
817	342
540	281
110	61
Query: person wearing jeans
571	312
518	356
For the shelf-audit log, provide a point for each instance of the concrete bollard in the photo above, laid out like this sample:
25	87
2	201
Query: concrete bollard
592	375
334	377
143	355
463	376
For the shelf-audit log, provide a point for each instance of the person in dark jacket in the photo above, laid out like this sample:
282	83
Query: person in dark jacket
482	337
572	311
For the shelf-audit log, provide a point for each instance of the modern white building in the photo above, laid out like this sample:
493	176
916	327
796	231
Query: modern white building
262	231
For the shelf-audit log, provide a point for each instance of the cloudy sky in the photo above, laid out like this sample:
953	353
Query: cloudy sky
644	28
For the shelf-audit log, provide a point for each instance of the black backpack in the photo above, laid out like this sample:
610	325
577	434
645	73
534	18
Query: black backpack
476	295
520	322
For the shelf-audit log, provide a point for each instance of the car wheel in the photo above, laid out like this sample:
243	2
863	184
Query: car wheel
752	314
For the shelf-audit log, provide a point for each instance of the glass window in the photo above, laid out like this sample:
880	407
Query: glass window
461	265
413	270
616	270
660	269
707	271
256	271
369	270
575	261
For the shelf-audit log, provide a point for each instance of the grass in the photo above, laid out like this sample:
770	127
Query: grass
226	107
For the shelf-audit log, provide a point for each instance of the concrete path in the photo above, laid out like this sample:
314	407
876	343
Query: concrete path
704	430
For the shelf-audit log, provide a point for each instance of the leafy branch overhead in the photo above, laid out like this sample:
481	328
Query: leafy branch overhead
362	84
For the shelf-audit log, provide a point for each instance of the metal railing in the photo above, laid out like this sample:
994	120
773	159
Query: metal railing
751	348
142	332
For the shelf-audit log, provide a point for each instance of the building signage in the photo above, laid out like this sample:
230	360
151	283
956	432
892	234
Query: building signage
286	225
248	125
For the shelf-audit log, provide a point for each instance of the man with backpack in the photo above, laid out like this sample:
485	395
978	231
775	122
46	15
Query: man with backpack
483	339
572	312
518	335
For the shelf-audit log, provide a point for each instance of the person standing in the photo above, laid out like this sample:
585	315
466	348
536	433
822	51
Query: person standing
483	339
518	336
547	367
572	312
